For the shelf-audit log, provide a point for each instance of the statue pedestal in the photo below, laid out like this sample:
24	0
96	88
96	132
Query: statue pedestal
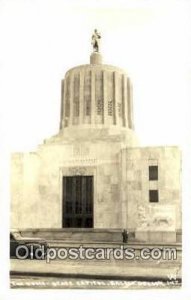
96	58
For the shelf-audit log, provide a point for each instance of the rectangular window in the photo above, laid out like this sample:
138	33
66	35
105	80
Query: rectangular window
153	196
153	172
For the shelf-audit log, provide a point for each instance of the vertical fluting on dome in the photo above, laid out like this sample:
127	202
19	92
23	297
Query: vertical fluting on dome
96	95
81	97
76	104
99	96
130	104
87	97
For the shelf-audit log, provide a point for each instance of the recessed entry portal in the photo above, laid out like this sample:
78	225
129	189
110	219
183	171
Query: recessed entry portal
77	194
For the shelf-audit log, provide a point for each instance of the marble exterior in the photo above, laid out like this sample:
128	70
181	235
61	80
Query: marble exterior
97	138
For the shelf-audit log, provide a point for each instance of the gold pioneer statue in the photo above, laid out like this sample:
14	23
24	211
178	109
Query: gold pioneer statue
96	40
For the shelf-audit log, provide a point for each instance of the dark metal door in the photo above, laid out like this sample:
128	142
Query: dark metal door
77	201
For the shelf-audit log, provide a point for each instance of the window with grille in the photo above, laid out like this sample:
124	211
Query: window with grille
153	196
153	172
78	201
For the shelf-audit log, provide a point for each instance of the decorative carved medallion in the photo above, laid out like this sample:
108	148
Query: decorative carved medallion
80	171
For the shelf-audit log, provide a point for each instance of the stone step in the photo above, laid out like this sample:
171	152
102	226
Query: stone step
88	235
74	234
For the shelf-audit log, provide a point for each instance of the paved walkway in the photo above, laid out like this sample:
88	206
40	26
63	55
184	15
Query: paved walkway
165	272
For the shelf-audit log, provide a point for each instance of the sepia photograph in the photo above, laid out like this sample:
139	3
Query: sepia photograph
95	125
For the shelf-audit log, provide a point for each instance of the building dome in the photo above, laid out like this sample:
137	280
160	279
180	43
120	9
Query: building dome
96	95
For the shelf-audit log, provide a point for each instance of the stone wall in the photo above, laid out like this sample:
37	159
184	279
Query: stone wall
164	215
121	185
37	183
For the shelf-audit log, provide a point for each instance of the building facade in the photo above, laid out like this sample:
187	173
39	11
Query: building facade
93	173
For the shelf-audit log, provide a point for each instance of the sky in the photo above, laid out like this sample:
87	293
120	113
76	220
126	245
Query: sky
40	40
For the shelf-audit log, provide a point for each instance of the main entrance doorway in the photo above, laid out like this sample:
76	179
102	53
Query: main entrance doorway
77	194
